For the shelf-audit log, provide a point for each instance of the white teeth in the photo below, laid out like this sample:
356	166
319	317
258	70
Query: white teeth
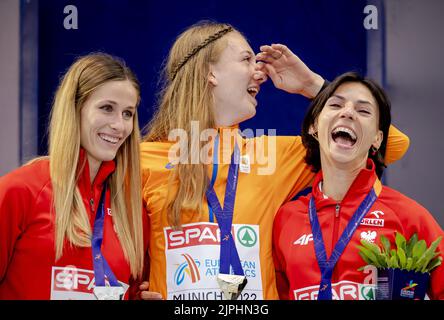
347	130
109	138
253	89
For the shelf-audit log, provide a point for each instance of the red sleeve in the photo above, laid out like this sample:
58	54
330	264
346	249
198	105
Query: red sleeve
15	201
282	283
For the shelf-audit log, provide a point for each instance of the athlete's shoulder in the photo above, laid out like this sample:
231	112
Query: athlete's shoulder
154	154
33	174
280	140
409	211
25	184
296	209
399	202
155	147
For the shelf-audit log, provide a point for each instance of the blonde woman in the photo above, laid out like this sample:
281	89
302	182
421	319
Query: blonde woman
71	224
221	248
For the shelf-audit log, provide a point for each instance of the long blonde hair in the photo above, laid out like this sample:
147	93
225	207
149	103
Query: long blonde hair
71	218
187	96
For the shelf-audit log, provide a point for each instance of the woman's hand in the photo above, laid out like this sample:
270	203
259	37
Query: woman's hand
144	294
287	71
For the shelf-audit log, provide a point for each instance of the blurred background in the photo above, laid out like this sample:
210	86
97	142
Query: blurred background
399	43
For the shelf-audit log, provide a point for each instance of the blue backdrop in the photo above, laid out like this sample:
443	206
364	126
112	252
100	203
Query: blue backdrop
327	35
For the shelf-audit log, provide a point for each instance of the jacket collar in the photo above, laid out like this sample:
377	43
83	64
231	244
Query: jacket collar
361	186
228	136
106	168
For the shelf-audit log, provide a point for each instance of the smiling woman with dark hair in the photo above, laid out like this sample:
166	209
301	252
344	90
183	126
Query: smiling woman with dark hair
315	237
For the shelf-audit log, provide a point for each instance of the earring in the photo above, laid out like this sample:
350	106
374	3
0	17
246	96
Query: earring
315	135
373	150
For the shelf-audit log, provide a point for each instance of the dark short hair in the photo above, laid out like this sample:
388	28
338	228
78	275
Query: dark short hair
312	156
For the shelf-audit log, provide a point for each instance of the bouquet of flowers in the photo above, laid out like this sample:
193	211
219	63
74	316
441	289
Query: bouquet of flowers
404	271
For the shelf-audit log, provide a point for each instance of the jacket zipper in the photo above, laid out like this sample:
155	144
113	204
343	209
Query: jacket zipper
91	201
336	226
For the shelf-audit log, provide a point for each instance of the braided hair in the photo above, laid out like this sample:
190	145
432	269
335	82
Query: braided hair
187	96
196	49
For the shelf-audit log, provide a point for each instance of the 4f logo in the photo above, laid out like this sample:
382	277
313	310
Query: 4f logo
304	239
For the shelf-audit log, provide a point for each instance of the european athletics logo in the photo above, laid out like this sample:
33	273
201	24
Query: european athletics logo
191	267
410	286
409	290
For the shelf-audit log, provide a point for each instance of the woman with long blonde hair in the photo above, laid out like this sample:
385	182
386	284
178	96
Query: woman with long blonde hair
211	193
71	224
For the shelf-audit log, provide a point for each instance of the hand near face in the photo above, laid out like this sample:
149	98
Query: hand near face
287	71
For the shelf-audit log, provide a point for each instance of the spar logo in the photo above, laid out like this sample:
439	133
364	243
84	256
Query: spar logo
193	234
342	290
368	292
72	279
189	267
71	283
409	290
247	236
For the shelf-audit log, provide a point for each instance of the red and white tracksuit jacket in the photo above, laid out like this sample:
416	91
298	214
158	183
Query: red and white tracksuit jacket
297	271
28	269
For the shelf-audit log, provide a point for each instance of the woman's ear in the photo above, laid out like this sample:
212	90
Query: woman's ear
378	140
313	131
212	78
313	127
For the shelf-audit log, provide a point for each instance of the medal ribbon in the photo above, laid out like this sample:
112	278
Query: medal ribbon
214	175
327	265
228	252
101	267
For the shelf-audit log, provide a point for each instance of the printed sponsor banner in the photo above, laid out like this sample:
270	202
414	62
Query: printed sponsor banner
342	290
372	222
71	283
192	257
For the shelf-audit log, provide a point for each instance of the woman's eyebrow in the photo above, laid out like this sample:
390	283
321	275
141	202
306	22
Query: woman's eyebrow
360	101
338	96
247	51
108	101
364	102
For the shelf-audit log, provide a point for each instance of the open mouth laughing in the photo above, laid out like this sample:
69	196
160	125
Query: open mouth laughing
253	90
344	136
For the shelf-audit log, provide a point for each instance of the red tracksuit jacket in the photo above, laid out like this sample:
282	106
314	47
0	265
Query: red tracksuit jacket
28	269
297	270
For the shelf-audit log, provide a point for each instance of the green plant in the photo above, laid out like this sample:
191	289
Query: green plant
408	255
